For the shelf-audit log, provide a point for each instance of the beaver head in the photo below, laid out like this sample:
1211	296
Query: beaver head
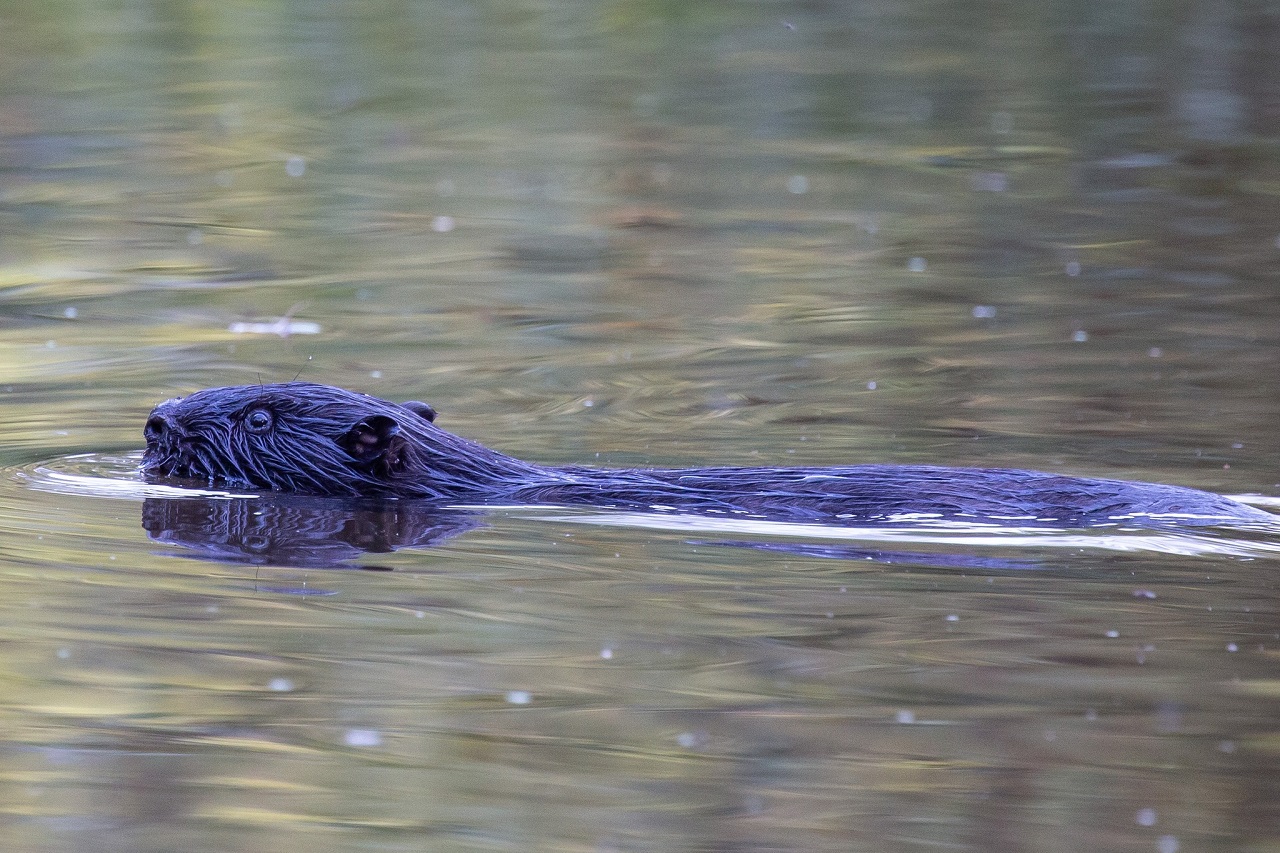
313	439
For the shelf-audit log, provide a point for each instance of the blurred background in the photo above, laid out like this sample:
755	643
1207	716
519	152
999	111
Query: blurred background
1043	235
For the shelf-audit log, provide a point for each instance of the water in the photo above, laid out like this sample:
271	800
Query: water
642	233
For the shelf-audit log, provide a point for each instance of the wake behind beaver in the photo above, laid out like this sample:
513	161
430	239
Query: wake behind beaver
321	440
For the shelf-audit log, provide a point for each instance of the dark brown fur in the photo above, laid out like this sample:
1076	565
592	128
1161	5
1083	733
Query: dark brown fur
320	440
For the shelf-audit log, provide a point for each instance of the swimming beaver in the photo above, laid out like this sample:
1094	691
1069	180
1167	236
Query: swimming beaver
320	440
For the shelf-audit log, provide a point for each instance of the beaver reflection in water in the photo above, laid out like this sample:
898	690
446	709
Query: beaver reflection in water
320	440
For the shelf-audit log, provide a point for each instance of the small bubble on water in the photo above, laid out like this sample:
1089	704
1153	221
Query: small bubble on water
606	653
953	617
280	685
375	374
1080	336
1073	268
646	104
295	166
917	264
990	182
1113	634
195	237
983	312
70	312
362	737
1145	817
905	718
1167	844
63	654
1232	647
1155	352
871	386
797	184
1168	718
50	344
231	116
519	697
1226	746
442	224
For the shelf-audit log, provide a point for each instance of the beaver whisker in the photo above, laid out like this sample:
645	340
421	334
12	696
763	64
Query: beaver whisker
320	440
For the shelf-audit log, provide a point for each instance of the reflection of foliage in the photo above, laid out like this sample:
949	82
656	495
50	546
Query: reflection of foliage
625	15
621	177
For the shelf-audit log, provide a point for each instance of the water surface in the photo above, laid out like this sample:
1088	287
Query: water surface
642	233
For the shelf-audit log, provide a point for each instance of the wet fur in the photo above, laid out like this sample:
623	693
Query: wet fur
319	440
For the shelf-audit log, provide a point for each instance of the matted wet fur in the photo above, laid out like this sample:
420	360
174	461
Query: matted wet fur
320	440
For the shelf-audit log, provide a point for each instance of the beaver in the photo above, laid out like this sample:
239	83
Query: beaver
314	439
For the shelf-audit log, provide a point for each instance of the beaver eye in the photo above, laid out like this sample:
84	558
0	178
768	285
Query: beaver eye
258	420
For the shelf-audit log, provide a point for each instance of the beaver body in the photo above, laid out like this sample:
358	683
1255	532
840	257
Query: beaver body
319	440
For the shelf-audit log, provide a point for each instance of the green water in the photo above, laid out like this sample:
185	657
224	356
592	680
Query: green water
1035	235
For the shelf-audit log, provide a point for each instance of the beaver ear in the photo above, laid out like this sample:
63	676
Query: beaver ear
377	442
422	410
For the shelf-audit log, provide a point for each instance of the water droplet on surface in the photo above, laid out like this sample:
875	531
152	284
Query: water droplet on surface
362	737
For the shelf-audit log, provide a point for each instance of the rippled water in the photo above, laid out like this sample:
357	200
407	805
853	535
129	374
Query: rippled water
303	529
643	233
